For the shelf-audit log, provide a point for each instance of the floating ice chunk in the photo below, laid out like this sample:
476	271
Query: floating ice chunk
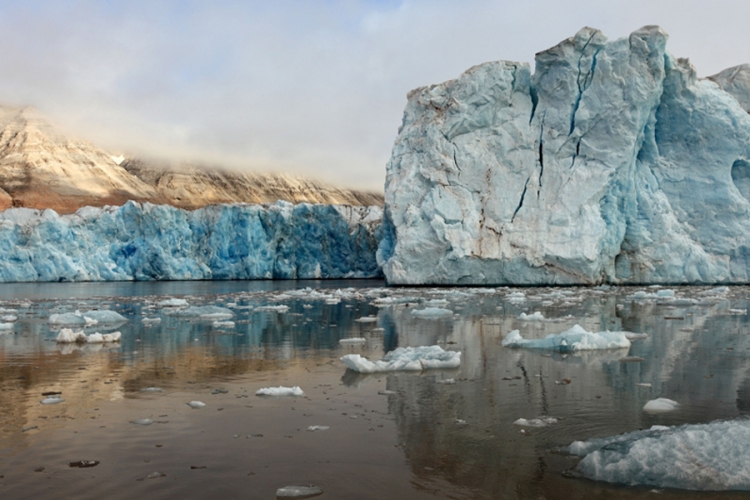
223	324
665	293
104	316
515	297
635	336
660	405
151	321
9	318
142	421
278	309
95	338
354	340
366	319
280	391
314	428
386	392
575	339
738	311
151	389
6	326
432	312
405	359
52	400
448	381
105	338
436	303
174	303
206	313
643	384
67	319
196	404
68	336
535	422
708	457
298	492
537	316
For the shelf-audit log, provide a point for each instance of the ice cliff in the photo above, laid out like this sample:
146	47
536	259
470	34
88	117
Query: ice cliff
611	163
159	242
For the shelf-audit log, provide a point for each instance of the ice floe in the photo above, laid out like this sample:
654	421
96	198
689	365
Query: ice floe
660	405
536	316
405	359
298	492
712	457
535	422
354	340
280	391
69	336
196	405
575	339
432	312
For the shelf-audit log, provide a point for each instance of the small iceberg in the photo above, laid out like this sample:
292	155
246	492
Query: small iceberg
314	428
432	312
575	339
366	319
68	336
703	457
104	316
174	303
660	405
405	359
52	400
354	340
280	391
205	313
196	405
298	492
537	316
535	422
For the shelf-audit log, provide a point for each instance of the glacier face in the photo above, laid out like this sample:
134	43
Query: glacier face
611	163
159	242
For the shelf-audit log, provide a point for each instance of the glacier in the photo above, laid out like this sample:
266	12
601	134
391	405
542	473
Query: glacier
159	242
611	163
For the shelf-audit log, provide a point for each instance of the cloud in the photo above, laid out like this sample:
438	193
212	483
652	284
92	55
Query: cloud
313	87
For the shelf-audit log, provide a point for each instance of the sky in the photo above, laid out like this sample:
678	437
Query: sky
314	87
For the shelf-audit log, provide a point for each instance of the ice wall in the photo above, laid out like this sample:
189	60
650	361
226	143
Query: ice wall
159	242
611	163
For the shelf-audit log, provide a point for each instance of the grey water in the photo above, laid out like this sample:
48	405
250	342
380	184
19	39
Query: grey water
433	434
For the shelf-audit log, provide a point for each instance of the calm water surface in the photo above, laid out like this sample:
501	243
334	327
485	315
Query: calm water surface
427	439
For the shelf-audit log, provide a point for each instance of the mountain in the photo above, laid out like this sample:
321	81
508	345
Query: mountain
190	187
43	167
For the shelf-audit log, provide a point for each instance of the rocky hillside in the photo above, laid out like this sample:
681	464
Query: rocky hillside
43	167
190	187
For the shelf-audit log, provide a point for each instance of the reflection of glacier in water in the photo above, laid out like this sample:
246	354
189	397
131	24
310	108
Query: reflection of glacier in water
454	427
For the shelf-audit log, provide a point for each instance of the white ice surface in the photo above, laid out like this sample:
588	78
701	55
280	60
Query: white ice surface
280	391
713	456
575	339
405	359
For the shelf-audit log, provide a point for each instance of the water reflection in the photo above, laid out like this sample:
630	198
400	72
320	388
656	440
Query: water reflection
460	433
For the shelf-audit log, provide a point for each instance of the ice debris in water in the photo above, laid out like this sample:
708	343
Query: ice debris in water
535	422
174	303
405	359
207	313
298	492
366	319
86	318
196	404
52	400
353	340
6	326
537	316
142	421
707	457
660	405
314	428
432	312
280	391
68	336
575	339
151	389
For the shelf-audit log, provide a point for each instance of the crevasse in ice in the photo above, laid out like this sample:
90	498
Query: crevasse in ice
158	242
612	162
